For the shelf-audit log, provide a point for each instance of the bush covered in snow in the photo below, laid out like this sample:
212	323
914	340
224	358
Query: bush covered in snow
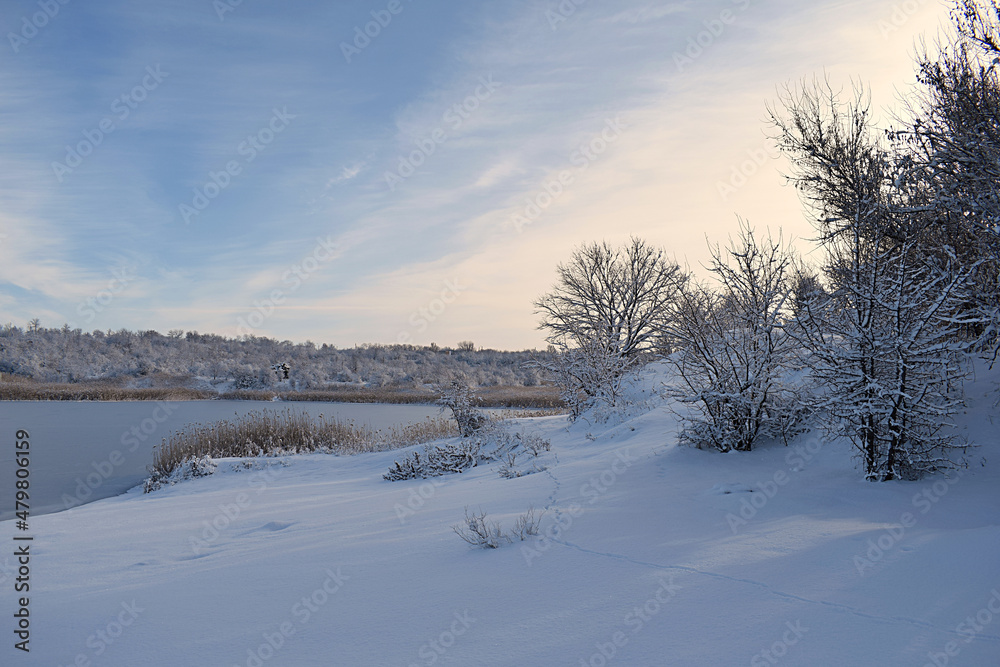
452	458
481	532
458	398
733	353
495	442
191	468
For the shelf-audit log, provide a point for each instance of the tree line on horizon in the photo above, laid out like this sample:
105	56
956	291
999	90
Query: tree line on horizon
72	355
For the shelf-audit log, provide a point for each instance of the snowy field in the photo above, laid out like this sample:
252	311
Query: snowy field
651	554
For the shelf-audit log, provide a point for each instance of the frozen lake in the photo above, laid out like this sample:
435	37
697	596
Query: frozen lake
84	451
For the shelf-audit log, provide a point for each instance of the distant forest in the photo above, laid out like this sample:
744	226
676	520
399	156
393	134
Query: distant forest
250	362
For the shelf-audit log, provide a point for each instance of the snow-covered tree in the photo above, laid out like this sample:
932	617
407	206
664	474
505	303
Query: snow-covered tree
883	341
59	354
952	144
886	347
732	353
590	374
617	294
459	398
607	308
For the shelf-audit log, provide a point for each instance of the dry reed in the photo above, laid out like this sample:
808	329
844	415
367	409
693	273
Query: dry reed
278	433
13	388
29	391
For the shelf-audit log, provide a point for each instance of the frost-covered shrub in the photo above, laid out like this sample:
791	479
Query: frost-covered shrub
491	444
526	525
487	534
510	447
191	468
511	467
498	442
732	349
452	458
592	375
459	399
479	532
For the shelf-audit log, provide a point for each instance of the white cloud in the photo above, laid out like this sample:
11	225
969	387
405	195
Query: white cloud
346	174
688	131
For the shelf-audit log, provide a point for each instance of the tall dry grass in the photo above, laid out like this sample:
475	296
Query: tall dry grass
545	397
48	391
346	395
486	397
278	433
525	413
14	388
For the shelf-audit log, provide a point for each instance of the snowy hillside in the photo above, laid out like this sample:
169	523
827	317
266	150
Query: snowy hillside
149	358
651	554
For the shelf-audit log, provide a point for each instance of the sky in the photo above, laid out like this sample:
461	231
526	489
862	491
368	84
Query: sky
395	171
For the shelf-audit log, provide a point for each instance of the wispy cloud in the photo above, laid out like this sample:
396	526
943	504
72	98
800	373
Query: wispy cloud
474	108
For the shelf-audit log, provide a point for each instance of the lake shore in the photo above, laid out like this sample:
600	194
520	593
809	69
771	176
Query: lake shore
542	397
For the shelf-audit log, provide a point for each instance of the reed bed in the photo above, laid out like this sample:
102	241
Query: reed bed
266	433
545	397
28	391
526	413
346	395
486	397
13	388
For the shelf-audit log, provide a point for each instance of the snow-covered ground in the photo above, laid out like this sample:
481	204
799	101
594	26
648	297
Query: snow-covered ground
652	554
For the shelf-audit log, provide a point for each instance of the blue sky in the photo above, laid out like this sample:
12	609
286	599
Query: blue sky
268	168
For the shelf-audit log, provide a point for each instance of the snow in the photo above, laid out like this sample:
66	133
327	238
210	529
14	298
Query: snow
666	555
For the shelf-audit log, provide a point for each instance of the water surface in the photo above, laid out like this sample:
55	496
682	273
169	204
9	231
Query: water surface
83	451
